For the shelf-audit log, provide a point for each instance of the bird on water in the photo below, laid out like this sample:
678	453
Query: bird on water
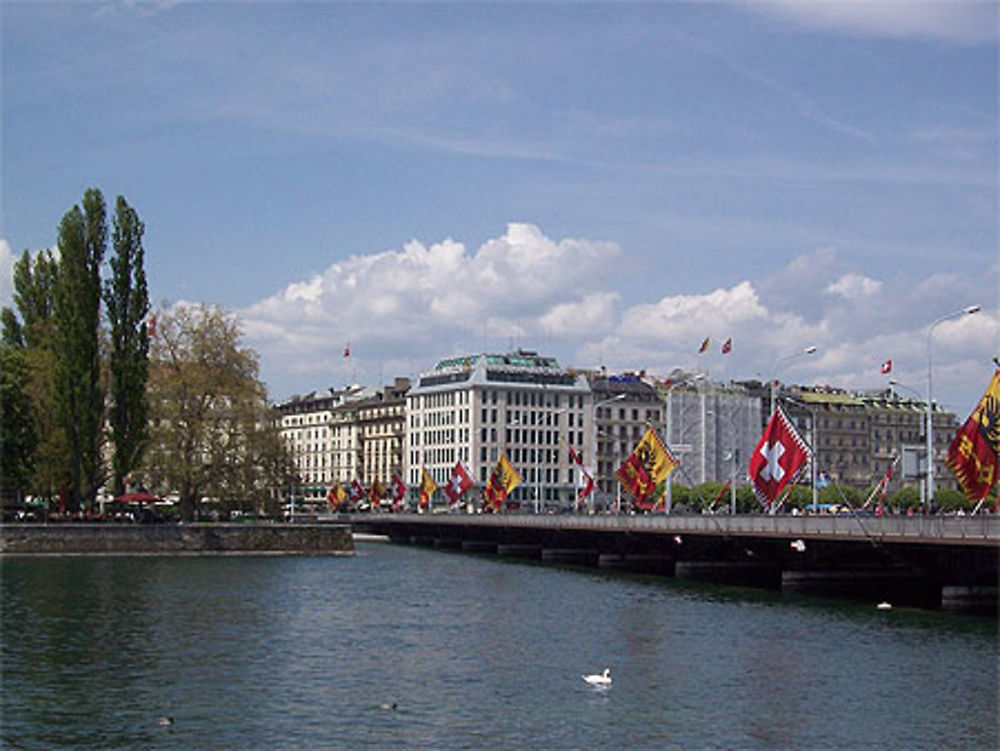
599	679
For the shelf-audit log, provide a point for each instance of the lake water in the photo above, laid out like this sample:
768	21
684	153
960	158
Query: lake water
476	653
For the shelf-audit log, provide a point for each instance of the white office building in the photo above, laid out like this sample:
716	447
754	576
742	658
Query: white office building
474	408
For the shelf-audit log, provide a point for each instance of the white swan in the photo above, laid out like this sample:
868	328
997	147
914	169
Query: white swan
599	679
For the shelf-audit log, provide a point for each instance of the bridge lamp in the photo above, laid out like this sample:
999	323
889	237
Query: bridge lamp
811	349
930	409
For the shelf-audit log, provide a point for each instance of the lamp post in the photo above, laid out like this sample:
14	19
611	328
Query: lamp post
920	397
774	372
930	404
615	398
694	379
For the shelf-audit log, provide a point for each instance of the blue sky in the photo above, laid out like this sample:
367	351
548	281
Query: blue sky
608	183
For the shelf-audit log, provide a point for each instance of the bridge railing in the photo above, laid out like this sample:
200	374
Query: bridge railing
958	529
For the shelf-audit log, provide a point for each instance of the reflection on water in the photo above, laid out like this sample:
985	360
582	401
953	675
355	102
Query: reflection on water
476	652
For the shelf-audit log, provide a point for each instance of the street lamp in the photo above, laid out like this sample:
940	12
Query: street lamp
774	372
692	380
930	405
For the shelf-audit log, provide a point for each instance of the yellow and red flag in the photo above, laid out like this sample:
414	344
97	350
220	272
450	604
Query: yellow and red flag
647	467
975	451
503	480
336	496
427	488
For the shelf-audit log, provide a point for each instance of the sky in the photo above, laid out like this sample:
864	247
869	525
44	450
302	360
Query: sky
606	183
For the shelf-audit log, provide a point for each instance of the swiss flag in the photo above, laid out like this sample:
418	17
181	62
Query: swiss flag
459	482
398	488
779	455
887	367
357	491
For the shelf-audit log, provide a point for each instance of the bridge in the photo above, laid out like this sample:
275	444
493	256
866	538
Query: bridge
933	561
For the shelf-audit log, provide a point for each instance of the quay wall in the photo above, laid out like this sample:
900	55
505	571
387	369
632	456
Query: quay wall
176	539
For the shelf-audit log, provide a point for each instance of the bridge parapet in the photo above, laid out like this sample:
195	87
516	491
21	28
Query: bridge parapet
950	530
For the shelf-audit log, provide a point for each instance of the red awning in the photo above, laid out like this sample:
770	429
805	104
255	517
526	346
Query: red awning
138	497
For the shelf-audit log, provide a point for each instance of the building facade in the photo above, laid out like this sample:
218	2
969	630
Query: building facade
475	408
320	432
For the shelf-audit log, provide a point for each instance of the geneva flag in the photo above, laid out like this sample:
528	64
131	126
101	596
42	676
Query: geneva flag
975	451
646	467
779	455
427	488
503	480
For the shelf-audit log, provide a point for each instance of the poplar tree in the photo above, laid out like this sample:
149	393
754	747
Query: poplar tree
77	316
17	430
126	300
32	335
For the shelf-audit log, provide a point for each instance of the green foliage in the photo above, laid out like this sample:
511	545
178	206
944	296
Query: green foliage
77	317
13	334
905	498
949	499
34	296
126	300
210	433
18	439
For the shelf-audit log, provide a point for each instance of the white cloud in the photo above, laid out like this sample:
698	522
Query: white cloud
854	287
963	21
7	260
422	300
401	310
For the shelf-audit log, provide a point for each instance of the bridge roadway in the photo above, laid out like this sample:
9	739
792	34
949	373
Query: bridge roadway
928	561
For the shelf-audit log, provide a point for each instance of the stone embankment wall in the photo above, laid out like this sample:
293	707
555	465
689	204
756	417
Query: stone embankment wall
172	539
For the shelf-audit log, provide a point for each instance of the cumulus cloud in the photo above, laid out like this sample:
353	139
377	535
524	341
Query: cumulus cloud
854	286
401	310
423	300
7	260
962	21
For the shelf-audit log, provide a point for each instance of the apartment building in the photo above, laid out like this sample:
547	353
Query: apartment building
474	408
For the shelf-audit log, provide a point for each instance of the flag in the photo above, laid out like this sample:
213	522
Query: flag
503	480
427	488
646	467
357	491
587	487
704	346
727	346
460	482
887	367
398	491
376	493
883	485
336	496
778	457
975	451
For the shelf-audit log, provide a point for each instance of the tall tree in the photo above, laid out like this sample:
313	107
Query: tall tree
127	302
208	419
17	429
34	287
77	316
32	334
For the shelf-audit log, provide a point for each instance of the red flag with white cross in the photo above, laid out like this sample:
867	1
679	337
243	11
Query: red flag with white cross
458	483
778	457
